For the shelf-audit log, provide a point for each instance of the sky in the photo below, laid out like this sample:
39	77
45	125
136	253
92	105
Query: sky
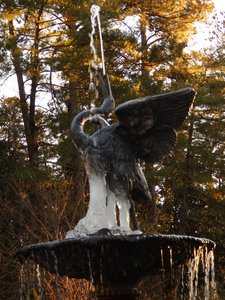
220	5
8	88
201	38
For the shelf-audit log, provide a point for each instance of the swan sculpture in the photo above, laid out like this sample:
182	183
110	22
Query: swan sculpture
145	131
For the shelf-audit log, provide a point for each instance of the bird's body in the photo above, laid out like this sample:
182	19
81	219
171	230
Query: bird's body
145	131
111	156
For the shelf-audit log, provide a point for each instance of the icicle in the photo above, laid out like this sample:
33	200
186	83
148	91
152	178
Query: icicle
90	267
210	291
193	270
212	272
39	281
206	271
22	282
182	281
59	296
162	259
171	258
207	262
196	270
163	270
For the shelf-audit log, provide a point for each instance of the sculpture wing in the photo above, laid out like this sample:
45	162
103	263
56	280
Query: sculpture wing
148	124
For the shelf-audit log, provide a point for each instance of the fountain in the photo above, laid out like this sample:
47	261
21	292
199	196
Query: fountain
102	247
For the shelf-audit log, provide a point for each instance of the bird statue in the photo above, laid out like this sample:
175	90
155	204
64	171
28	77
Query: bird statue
145	131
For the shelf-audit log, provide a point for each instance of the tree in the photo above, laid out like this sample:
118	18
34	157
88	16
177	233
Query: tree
46	44
162	31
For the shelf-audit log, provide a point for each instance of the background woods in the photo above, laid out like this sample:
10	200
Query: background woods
44	46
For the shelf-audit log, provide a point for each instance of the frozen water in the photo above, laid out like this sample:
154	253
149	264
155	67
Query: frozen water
205	260
95	63
200	266
124	209
102	211
103	202
95	15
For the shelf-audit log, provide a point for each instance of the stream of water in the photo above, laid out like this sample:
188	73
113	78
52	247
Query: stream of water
95	62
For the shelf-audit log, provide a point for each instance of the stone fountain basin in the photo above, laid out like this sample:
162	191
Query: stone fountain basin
114	260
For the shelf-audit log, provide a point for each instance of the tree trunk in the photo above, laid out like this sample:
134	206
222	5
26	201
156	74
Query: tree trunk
35	64
76	168
72	105
144	52
16	58
187	164
184	198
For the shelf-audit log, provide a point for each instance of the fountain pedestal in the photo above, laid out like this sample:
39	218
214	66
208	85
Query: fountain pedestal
114	264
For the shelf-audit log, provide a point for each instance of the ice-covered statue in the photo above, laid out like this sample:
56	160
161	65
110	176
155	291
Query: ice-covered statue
145	131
